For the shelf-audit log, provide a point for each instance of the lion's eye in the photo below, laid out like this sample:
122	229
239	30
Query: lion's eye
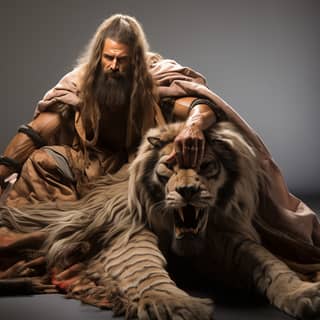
162	179
209	165
169	165
164	171
210	168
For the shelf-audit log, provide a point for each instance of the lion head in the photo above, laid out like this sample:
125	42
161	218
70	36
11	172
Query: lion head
183	206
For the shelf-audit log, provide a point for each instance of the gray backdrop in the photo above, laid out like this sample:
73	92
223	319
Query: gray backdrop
261	56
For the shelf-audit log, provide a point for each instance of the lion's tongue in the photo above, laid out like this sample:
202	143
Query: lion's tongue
187	222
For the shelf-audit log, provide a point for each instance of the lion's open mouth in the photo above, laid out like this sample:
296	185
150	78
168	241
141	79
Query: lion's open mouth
189	220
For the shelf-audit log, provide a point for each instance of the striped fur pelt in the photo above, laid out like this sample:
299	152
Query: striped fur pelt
129	227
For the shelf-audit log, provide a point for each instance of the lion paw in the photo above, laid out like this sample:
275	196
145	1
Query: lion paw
165	307
304	303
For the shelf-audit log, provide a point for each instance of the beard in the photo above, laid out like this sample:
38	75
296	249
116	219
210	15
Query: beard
112	89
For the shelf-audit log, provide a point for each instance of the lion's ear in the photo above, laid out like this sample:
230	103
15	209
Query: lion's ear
156	142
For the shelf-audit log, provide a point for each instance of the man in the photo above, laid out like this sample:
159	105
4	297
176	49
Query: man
95	130
92	121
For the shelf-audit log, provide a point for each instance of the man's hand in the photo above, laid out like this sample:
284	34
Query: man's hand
189	146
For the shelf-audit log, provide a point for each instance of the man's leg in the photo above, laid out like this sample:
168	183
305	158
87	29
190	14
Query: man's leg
46	176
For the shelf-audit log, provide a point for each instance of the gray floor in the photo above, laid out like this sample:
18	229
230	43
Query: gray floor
56	307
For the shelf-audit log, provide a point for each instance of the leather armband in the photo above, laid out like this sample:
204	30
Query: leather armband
33	135
10	163
219	113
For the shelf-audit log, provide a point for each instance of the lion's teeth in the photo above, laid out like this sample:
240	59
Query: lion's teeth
197	213
204	222
181	214
179	233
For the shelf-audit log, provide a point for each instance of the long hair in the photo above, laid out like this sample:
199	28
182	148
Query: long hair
126	30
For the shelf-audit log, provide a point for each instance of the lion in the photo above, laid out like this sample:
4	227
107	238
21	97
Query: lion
129	232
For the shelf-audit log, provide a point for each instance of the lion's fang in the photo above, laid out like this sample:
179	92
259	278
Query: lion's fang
197	213
179	233
181	214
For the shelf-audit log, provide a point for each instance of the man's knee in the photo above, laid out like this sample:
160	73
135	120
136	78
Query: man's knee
40	157
51	159
45	176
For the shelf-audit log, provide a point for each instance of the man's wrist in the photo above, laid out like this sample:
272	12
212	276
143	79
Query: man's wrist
201	116
207	105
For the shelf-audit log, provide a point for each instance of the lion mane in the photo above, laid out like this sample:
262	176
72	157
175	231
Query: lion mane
185	206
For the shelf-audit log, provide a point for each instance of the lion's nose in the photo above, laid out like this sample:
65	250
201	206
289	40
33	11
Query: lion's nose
187	192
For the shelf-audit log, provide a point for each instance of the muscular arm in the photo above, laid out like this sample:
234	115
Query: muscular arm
21	146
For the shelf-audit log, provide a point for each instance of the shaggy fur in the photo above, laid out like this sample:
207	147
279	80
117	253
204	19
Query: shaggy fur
127	232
